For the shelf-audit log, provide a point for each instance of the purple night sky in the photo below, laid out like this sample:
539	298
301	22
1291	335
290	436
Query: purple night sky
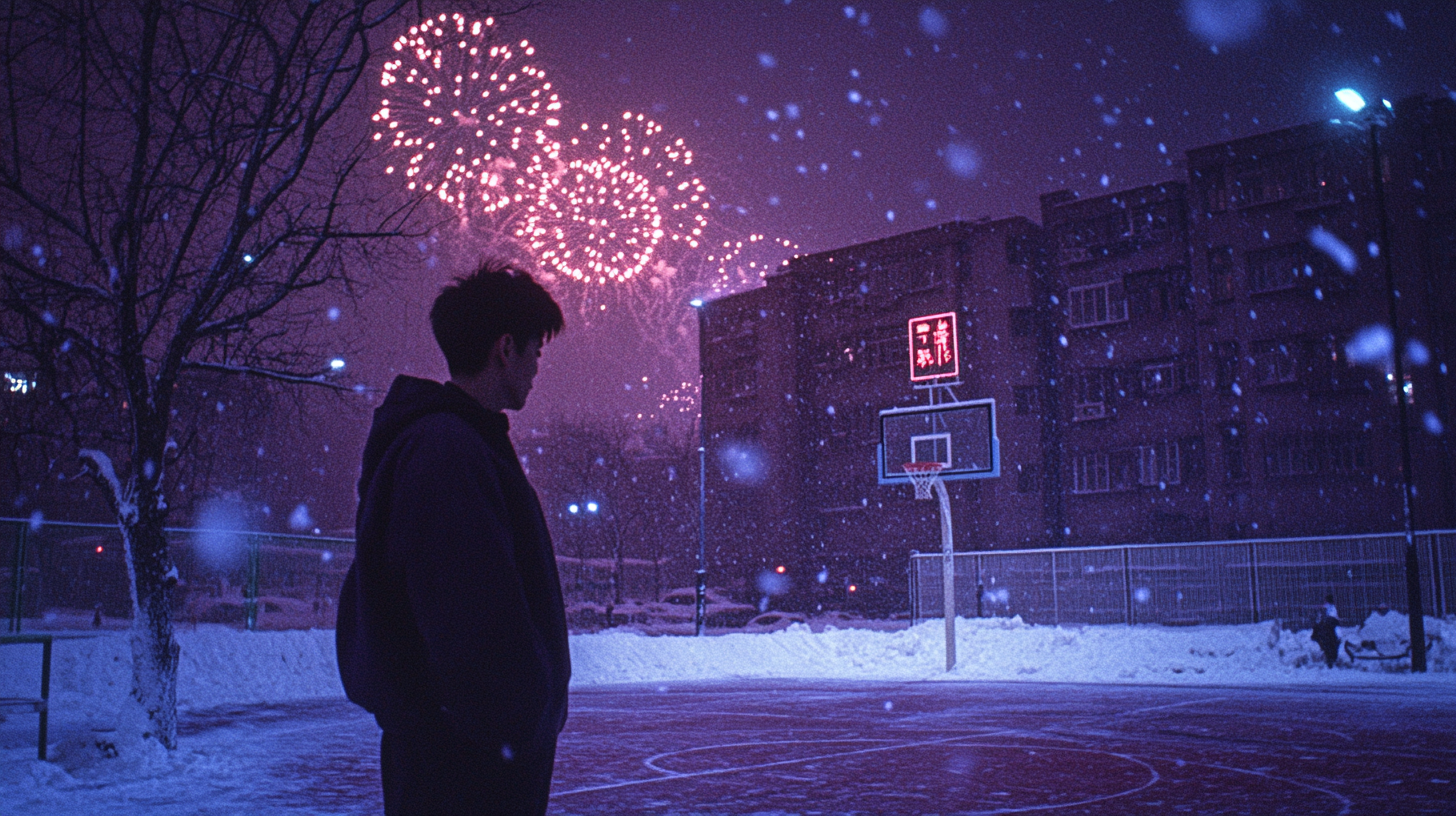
830	124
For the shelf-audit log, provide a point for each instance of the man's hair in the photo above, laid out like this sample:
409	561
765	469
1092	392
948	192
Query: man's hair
475	311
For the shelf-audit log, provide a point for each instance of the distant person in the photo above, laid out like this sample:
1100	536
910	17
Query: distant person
1324	632
451	629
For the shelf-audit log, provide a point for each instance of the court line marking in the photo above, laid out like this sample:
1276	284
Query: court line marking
1153	775
1183	704
1345	803
718	771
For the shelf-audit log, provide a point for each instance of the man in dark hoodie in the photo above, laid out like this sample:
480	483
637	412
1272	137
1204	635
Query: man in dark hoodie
452	631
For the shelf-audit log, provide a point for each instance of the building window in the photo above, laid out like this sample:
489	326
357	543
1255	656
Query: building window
1027	399
1291	455
1260	183
1331	366
1221	273
877	348
1276	362
1348	453
1098	231
1097	305
1159	464
1153	223
1226	367
1165	378
1091	473
1215	195
1234	468
1090	391
1026	481
1277	268
1156	294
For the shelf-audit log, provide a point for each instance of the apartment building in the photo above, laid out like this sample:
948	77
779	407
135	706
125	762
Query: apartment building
1196	359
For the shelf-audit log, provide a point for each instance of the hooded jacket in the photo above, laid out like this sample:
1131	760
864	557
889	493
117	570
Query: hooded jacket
452	608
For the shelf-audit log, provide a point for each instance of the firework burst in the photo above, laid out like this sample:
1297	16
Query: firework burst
735	265
466	115
614	200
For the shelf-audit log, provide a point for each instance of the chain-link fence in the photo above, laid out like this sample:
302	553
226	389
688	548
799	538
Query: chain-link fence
62	575
1207	582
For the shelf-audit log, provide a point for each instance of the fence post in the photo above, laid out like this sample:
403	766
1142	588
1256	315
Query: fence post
1056	598
1438	588
17	579
980	590
250	599
1253	583
1127	583
914	584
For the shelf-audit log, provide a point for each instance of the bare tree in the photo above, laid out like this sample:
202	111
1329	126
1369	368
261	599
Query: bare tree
177	181
637	473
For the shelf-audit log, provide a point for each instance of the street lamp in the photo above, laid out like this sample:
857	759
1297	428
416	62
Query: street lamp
1377	118
700	606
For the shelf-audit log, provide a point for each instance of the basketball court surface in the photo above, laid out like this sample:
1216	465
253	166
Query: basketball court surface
778	747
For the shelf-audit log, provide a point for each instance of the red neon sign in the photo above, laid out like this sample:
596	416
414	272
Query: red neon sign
934	347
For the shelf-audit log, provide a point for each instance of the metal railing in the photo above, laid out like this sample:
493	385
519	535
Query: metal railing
66	575
1221	582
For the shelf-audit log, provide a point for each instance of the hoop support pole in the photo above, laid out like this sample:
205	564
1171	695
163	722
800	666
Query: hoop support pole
947	548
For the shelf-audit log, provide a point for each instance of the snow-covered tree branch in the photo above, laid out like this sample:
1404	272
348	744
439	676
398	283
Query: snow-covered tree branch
177	178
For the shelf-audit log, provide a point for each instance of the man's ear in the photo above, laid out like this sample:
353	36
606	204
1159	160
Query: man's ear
502	350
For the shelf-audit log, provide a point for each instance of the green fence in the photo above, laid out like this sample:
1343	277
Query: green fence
62	575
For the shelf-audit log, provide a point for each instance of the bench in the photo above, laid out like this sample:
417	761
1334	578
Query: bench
1370	649
41	704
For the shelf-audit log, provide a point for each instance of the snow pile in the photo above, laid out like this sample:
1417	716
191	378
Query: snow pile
90	676
987	649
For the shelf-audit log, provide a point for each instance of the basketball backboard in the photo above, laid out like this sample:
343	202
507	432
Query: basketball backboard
959	435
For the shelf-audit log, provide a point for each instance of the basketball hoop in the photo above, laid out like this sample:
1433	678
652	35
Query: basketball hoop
923	476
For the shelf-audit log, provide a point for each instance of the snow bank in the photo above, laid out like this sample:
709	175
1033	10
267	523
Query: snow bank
91	675
222	666
987	649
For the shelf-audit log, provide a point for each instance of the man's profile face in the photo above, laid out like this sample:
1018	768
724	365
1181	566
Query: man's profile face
519	372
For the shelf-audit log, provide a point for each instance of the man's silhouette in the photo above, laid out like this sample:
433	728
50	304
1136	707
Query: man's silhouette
451	630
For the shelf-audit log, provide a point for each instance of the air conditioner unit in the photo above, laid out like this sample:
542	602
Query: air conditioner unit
1089	410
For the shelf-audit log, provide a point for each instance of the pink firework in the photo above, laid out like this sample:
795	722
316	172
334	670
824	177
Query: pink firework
614	201
466	115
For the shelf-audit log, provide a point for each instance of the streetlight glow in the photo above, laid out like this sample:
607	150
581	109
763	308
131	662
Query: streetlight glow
573	509
1351	98
591	507
696	303
337	364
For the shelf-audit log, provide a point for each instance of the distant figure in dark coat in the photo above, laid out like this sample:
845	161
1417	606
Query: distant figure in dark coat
451	629
1324	632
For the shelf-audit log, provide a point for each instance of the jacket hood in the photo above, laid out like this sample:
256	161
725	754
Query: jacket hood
409	399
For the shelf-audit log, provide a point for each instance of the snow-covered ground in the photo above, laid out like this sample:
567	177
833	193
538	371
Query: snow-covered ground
222	666
225	666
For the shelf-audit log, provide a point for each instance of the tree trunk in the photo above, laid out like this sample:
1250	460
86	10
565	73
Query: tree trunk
154	648
141	514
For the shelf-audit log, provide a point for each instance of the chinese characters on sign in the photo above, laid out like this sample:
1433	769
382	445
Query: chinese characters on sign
934	348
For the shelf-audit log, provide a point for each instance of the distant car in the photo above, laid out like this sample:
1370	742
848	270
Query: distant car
722	611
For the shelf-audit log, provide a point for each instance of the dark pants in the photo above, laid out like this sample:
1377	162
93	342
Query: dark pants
433	772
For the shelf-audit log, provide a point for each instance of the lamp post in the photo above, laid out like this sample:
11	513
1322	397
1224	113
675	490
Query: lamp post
700	605
1353	100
